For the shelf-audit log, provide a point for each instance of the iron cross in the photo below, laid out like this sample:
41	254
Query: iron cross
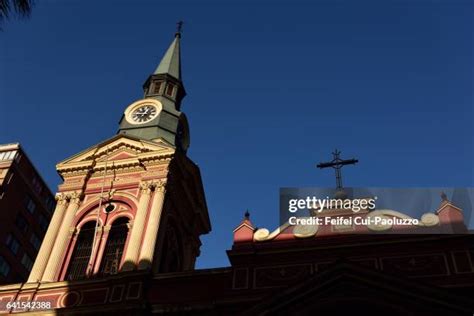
337	163
179	26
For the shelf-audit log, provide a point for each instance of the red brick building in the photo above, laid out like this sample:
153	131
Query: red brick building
26	206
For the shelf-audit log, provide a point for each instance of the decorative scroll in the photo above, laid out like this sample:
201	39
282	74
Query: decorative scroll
305	231
263	234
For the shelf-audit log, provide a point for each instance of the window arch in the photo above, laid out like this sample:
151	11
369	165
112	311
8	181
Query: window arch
82	252
114	247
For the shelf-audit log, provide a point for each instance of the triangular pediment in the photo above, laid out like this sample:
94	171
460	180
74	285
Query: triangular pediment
347	288
118	149
124	153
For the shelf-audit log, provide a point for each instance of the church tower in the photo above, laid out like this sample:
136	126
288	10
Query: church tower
163	92
134	201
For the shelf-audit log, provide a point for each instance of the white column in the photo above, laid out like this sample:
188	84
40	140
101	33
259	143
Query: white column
48	241
133	248
57	254
151	233
100	252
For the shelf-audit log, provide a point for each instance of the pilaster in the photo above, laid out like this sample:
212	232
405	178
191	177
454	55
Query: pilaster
133	248
48	241
57	254
151	233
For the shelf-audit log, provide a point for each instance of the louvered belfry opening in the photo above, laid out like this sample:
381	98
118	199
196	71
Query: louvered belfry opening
114	247
82	252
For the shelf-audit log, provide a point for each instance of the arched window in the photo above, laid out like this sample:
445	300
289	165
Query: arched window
114	247
82	252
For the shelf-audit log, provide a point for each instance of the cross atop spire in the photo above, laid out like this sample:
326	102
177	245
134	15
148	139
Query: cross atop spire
179	28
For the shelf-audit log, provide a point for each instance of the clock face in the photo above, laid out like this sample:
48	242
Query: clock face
144	113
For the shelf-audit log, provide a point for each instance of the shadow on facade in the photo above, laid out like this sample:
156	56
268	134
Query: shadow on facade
107	294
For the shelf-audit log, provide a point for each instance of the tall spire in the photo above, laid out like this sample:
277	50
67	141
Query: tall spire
171	62
163	93
166	82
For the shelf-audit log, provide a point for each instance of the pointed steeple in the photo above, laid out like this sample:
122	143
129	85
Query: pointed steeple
163	93
171	62
165	82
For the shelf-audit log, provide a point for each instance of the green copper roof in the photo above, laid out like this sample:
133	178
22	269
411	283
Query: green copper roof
171	63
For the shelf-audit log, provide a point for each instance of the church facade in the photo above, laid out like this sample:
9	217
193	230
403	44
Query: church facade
126	230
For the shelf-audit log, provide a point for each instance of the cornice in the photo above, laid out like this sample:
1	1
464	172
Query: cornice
116	166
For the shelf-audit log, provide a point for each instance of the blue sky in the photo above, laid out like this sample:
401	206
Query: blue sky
273	87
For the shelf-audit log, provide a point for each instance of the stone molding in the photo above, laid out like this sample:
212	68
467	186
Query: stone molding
94	160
